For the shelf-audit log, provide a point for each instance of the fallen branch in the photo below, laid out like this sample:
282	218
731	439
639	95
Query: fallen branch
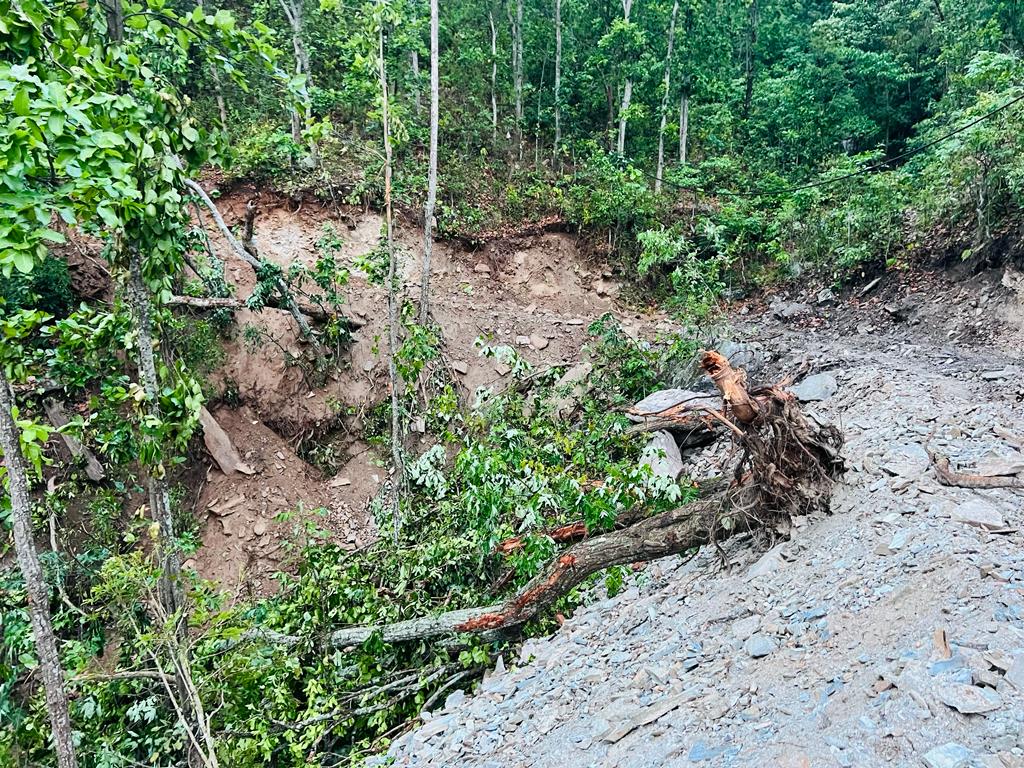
216	302
953	479
255	262
786	468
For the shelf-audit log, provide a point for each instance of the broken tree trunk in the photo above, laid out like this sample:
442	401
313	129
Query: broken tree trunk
55	413
786	466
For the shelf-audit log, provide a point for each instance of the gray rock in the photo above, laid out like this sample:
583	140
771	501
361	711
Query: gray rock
662	455
787	310
538	341
826	296
744	628
571	387
748	356
908	460
978	513
820	386
460	366
760	645
969	699
1015	674
949	755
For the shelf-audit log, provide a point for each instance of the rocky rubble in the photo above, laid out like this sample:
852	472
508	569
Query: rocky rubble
890	633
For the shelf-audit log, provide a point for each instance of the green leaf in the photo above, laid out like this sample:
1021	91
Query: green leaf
21	104
23	262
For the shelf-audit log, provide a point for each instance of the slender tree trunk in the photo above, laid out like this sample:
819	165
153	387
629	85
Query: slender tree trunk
31	570
684	125
558	78
627	92
536	128
517	73
170	590
428	213
494	79
396	423
414	60
666	85
293	10
748	91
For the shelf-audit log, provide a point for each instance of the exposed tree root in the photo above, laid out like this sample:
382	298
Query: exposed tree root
786	466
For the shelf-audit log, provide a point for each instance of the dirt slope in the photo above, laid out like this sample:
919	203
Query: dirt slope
890	633
534	293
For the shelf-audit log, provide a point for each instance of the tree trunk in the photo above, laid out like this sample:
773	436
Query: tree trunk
31	570
171	595
666	84
414	60
558	78
684	125
428	212
494	79
293	11
170	587
398	471
517	73
748	90
786	466
218	90
627	92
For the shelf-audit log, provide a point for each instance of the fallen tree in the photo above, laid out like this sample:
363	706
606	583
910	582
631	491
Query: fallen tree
785	466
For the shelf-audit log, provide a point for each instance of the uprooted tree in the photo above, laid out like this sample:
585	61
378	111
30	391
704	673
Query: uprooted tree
785	464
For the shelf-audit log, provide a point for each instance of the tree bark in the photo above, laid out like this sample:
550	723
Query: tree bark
398	471
666	85
517	73
494	79
428	212
293	11
558	78
748	90
35	587
57	416
684	125
170	589
627	92
414	61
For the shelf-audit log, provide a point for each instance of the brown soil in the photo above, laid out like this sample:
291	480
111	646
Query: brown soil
505	291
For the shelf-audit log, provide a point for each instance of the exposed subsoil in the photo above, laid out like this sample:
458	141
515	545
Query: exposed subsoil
532	292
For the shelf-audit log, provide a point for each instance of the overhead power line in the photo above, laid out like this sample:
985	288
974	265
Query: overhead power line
836	179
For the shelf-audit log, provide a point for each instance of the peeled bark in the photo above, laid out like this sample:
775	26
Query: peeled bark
428	211
35	587
666	86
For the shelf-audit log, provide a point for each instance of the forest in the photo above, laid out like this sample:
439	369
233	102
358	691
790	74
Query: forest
694	152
